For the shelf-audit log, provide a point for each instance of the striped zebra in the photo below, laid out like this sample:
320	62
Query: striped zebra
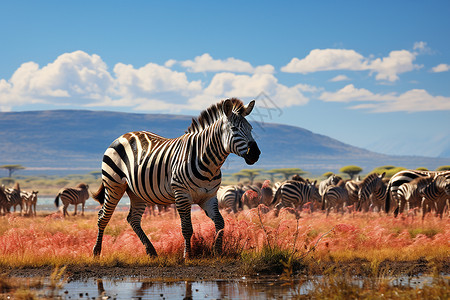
435	194
4	202
335	196
293	194
74	196
371	190
400	178
184	170
229	197
408	194
14	198
29	199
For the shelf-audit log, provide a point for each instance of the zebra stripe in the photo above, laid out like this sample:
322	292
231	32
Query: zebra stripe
332	180
229	197
402	177
29	199
14	198
293	193
74	196
184	170
371	186
4	202
435	194
334	196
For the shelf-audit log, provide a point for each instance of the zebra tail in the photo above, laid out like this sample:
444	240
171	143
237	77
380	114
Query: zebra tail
99	196
57	200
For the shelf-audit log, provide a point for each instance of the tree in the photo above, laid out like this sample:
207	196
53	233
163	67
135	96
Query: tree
250	173
443	168
12	168
288	172
351	170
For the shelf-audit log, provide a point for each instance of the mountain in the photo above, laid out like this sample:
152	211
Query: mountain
73	141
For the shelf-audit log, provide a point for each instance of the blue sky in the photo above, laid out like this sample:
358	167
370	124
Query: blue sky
374	74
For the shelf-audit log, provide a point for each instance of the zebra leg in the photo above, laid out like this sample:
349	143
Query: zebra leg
82	208
113	193
134	219
65	209
76	206
211	208
183	204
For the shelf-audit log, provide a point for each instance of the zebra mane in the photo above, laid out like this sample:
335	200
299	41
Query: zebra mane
212	114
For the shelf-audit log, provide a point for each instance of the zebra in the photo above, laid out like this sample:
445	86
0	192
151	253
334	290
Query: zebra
352	187
4	202
335	196
74	196
30	201
332	180
293	193
229	197
371	186
14	198
183	170
400	178
435	194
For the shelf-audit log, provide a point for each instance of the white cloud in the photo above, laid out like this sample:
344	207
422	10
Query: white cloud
82	80
205	63
386	68
225	85
339	78
441	68
411	101
326	60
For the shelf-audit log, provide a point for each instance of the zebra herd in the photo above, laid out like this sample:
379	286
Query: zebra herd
408	190
13	197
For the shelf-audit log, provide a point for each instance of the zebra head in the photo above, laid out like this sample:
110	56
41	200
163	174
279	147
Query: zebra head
238	137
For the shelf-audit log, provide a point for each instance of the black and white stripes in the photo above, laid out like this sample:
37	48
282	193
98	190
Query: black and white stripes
184	170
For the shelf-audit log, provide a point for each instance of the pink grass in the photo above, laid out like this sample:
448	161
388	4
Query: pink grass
54	240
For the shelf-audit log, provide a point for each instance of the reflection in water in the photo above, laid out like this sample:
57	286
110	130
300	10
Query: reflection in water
157	289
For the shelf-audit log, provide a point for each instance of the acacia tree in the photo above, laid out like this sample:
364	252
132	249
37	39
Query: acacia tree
250	173
12	168
443	168
351	170
288	172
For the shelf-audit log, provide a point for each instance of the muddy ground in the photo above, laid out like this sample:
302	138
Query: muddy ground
229	270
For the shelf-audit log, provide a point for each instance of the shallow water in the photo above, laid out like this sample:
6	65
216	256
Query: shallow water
244	288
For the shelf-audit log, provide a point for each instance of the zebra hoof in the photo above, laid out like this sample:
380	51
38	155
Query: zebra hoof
97	251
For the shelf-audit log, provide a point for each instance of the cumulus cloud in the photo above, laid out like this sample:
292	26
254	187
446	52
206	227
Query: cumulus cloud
386	68
83	80
411	101
245	86
441	68
205	63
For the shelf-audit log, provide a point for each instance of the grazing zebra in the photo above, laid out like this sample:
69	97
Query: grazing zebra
293	193
335	196
352	188
400	178
371	186
14	198
184	170
74	196
30	201
229	197
332	180
435	194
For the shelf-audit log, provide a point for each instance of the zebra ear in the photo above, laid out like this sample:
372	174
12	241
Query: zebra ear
382	175
248	108
227	107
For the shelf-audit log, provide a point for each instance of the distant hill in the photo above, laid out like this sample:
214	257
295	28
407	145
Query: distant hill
73	141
